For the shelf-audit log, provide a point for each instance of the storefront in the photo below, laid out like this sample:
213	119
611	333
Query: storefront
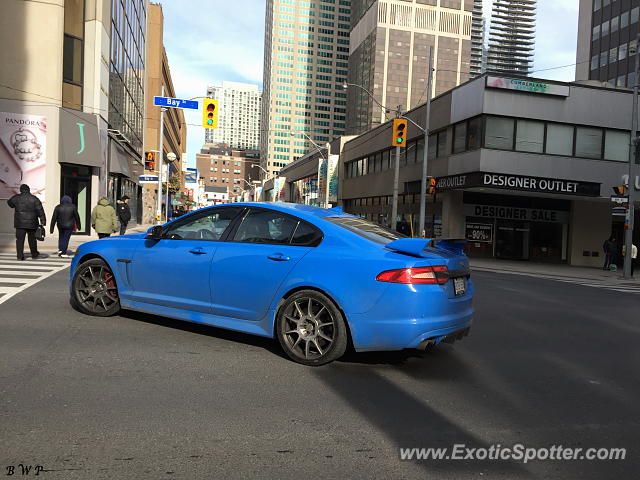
123	168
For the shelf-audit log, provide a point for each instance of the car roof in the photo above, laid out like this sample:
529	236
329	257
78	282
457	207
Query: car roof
306	212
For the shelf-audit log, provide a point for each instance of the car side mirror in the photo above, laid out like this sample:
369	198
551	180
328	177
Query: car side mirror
155	232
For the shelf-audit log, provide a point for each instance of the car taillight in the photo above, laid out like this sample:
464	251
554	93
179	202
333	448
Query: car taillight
436	275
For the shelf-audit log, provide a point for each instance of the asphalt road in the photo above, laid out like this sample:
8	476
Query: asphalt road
139	396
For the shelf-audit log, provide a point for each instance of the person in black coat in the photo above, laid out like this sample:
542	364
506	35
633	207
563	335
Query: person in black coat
67	218
28	210
123	212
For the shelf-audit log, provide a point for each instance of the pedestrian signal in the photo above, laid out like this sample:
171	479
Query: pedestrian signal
431	185
620	189
210	113
150	161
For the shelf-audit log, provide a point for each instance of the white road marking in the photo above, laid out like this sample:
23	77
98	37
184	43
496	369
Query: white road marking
18	275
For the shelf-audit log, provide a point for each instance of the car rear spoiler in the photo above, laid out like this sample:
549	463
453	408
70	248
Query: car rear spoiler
418	246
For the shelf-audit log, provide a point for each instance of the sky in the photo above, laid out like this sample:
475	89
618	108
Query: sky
208	41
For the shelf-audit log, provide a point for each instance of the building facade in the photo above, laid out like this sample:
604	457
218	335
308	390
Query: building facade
607	34
524	168
389	55
239	113
174	138
221	166
305	65
71	102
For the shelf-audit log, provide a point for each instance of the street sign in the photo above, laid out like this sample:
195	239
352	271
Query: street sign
619	211
175	103
620	199
148	179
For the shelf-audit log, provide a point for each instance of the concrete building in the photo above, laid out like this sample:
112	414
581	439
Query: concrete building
174	139
71	102
389	54
524	168
239	113
305	64
607	32
221	166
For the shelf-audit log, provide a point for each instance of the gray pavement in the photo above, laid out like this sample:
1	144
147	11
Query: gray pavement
140	396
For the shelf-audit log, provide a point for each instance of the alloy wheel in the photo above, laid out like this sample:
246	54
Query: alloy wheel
96	289
310	328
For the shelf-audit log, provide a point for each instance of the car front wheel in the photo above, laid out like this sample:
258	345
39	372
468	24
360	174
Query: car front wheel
311	329
94	290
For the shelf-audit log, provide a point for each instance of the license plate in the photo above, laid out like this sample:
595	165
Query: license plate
458	285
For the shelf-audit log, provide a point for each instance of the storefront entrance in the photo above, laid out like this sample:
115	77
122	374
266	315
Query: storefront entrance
512	240
76	183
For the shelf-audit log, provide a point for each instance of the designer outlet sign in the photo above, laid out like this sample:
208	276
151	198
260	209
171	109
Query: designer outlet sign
518	182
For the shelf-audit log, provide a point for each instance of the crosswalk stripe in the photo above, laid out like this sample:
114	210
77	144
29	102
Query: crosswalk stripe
17	275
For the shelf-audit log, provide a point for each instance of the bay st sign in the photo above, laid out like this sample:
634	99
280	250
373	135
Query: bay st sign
518	182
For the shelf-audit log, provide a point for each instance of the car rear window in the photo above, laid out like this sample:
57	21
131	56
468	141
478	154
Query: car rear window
365	228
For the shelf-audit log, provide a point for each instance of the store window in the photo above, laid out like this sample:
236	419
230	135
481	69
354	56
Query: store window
442	144
419	150
433	147
588	142
616	146
559	139
474	133
499	133
529	136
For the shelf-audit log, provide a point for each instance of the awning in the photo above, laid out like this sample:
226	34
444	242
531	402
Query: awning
118	159
79	139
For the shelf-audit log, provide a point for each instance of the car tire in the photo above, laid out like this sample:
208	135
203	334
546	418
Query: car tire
94	290
311	329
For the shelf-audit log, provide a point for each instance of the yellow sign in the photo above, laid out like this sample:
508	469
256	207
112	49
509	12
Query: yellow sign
210	113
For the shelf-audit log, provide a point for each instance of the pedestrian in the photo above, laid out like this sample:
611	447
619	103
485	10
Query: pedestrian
66	216
28	210
103	218
609	247
634	255
124	213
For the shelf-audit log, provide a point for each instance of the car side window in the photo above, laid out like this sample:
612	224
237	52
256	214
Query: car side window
306	235
266	226
209	225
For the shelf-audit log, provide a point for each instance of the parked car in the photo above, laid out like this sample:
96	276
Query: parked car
317	280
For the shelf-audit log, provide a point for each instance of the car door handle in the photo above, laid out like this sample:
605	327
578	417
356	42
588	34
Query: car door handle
278	257
197	251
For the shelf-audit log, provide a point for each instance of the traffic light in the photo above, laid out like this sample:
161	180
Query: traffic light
431	185
620	189
399	132
210	113
150	161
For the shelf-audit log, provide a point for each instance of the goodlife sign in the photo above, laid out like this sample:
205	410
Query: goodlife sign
518	182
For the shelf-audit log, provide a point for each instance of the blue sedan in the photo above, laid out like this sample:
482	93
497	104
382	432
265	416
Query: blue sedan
316	279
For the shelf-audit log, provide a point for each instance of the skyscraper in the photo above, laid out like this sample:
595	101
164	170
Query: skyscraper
239	110
305	64
509	46
389	54
607	34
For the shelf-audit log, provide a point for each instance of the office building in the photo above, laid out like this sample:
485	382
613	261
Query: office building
71	102
222	166
507	46
305	65
174	138
607	34
389	55
239	112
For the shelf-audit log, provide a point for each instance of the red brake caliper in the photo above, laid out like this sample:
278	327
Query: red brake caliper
108	278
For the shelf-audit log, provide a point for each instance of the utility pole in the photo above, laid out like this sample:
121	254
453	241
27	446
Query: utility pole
160	162
629	220
423	181
396	179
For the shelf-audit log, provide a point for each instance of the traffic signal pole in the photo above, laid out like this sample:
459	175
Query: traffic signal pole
423	181
159	166
626	269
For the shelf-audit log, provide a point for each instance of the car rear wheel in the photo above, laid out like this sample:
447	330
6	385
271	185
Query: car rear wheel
94	290
311	329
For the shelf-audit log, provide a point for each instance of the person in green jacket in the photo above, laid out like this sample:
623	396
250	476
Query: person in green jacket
103	218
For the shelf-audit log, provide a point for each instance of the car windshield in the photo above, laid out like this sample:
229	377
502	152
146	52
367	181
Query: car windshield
365	228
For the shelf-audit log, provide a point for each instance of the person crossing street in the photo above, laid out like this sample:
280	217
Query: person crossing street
28	210
66	216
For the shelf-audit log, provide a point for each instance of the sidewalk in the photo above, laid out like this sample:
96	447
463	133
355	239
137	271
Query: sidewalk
553	271
50	244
